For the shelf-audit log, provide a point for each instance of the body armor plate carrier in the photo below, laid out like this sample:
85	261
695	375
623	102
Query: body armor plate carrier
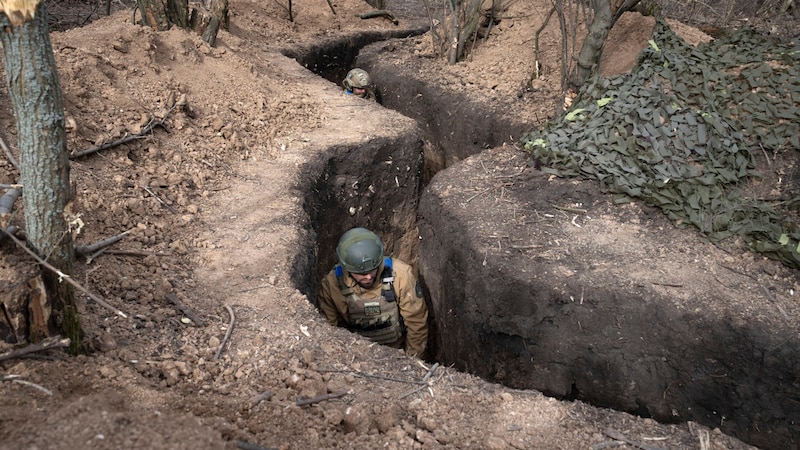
377	319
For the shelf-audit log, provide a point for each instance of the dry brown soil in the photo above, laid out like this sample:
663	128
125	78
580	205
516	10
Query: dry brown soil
215	200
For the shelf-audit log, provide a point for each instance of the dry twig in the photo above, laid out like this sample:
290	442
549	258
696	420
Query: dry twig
302	401
426	383
92	248
378	13
150	191
569	209
46	344
9	155
184	309
15	379
227	333
64	276
266	395
140	135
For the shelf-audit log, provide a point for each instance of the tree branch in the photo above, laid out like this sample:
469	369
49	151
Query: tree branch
47	344
140	135
63	276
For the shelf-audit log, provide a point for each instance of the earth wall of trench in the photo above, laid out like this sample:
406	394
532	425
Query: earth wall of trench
545	283
375	185
455	124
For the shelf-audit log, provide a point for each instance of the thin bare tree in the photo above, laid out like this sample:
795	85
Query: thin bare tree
36	96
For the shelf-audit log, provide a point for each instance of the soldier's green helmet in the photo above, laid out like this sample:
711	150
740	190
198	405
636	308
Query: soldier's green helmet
360	251
357	78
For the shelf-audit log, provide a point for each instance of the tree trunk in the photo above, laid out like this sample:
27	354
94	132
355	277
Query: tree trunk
595	39
178	12
154	14
219	8
606	14
35	91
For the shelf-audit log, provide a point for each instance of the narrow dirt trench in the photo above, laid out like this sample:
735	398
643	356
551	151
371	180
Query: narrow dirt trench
503	311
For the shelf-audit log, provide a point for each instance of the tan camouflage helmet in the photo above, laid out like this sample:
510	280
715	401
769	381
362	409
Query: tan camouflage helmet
357	78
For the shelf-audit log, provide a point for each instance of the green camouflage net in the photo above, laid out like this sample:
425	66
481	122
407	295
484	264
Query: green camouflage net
678	132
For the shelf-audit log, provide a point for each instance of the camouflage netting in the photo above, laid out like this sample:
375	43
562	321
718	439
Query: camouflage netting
680	130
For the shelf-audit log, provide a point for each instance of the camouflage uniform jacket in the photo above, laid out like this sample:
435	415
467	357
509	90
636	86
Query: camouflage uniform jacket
409	299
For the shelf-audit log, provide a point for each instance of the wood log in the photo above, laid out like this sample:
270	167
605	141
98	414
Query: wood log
219	9
154	14
178	12
210	34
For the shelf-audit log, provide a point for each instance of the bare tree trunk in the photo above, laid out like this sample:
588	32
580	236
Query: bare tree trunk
178	12
154	14
219	8
35	92
593	45
605	15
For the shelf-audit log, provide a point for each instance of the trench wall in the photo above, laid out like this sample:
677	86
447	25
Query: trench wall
613	319
373	182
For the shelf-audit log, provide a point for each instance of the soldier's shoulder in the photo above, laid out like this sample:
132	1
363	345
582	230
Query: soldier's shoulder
399	265
330	276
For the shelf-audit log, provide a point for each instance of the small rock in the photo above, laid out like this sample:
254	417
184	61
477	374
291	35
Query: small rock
494	443
355	421
386	421
334	416
428	423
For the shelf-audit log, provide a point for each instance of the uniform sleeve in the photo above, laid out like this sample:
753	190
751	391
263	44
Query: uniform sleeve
414	312
326	302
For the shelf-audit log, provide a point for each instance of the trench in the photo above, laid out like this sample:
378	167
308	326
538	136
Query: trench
388	201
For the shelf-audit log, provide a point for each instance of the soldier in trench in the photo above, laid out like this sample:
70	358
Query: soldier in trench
374	295
358	83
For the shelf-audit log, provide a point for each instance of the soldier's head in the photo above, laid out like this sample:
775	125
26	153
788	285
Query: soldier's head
357	81
360	252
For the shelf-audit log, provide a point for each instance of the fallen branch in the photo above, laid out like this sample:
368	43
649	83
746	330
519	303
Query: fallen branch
426	383
569	209
261	286
266	395
84	250
302	401
9	155
228	333
46	344
131	253
15	379
140	135
667	284
150	191
430	372
184	309
64	276
379	13
10	186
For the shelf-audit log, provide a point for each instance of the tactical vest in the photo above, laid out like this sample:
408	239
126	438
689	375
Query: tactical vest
377	319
